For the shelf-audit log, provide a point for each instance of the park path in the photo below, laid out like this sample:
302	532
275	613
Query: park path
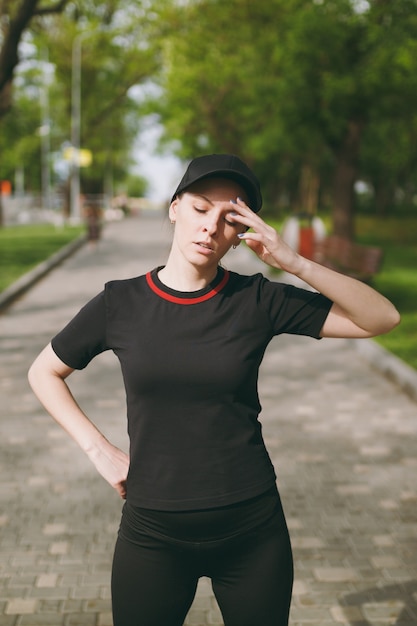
342	437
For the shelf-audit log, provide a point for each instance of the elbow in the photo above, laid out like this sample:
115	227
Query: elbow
32	375
395	319
389	322
36	373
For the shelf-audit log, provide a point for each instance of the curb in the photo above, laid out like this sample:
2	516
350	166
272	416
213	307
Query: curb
26	281
391	366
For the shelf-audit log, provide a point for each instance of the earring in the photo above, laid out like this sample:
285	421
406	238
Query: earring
234	247
172	221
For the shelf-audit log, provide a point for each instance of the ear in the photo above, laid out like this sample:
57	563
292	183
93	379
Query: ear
172	212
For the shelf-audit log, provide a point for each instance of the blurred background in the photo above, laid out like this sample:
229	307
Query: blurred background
103	102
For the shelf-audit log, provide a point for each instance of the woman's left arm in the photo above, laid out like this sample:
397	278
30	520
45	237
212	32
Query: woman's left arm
357	311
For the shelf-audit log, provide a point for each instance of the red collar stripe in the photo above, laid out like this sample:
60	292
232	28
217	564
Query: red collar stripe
197	300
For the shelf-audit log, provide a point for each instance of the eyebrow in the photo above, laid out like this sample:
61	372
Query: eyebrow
203	197
200	195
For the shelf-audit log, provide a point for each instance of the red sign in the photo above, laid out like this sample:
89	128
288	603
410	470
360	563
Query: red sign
5	187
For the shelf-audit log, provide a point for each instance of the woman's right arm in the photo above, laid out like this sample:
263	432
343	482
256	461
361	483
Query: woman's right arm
47	378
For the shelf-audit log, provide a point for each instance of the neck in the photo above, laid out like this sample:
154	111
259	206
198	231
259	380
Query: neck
186	277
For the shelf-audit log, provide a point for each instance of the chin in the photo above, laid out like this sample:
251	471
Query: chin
203	261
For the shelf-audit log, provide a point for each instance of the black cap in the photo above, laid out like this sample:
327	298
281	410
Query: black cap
223	166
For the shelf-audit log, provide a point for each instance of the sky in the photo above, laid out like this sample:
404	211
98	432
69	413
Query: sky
162	171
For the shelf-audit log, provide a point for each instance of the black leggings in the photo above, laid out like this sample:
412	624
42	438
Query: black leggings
155	577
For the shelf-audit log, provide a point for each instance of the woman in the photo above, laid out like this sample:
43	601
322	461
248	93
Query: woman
200	489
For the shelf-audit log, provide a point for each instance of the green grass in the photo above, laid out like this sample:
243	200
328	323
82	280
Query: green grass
23	247
398	277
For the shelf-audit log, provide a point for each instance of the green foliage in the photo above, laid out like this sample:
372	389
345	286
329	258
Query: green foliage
19	131
283	83
116	55
135	186
290	85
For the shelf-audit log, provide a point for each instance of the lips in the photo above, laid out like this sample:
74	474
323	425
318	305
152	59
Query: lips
204	245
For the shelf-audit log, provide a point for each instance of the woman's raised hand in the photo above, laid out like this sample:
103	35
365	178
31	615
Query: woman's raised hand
265	241
357	310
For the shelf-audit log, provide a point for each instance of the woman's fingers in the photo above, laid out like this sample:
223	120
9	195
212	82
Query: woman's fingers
264	240
244	215
121	489
113	465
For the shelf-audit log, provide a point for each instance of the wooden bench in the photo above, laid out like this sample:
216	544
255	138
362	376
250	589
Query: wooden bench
345	256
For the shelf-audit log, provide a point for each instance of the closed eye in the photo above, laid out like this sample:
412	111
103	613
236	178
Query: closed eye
230	222
202	211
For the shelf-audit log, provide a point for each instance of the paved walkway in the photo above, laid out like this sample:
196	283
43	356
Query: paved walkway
342	437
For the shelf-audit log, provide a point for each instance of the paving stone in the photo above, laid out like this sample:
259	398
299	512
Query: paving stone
388	612
82	619
309	615
59	547
47	580
385	561
20	606
7	620
347	615
105	619
40	620
336	574
71	606
300	588
51	592
383	541
307	543
54	529
96	605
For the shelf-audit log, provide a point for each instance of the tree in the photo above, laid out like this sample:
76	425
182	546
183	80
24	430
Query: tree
15	17
20	137
292	85
388	157
218	82
115	57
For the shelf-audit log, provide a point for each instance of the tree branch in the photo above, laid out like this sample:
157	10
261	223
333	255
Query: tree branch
55	8
9	51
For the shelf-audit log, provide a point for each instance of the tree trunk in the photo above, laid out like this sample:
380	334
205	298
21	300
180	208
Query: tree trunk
344	179
12	25
309	190
9	58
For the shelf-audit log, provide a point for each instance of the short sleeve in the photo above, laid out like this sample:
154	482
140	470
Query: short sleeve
293	310
84	336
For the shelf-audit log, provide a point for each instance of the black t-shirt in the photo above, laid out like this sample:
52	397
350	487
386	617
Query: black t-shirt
190	367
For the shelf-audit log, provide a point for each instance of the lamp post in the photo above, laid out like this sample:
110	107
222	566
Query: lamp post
75	209
45	133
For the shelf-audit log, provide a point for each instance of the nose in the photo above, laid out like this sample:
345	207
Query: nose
211	224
